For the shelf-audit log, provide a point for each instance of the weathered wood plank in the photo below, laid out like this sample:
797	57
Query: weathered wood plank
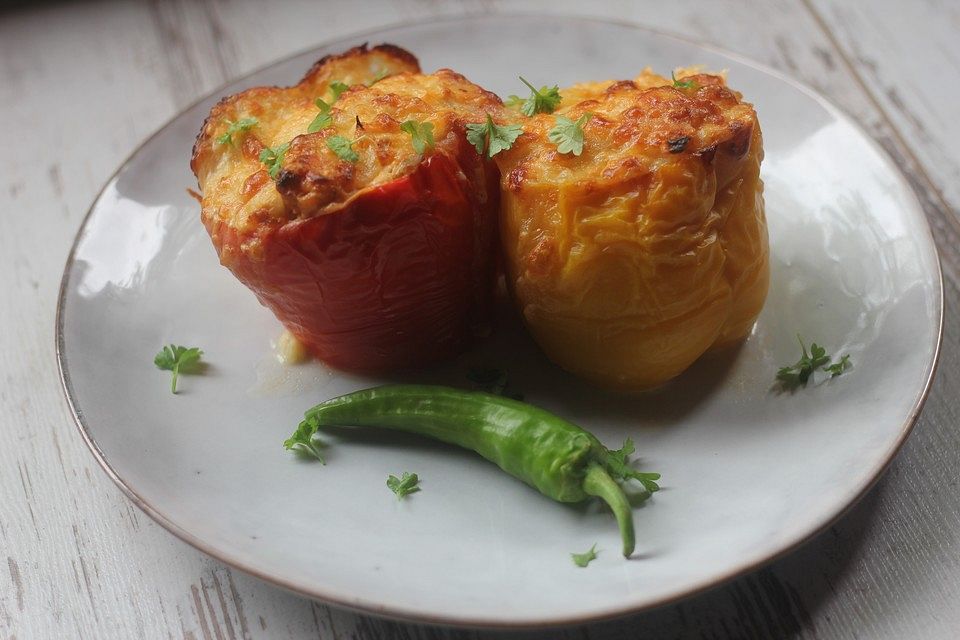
905	57
83	84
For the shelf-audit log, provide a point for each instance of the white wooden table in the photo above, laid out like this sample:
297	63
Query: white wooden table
82	83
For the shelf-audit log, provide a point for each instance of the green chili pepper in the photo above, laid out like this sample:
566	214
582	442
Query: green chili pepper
560	459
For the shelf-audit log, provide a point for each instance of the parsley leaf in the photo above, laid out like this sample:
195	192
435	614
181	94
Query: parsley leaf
493	137
178	360
513	102
542	100
303	440
234	128
343	147
837	368
380	75
405	485
689	83
421	134
583	559
272	158
568	135
798	374
336	88
618	466
323	119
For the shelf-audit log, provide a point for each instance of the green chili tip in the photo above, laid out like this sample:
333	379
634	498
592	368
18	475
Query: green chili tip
598	482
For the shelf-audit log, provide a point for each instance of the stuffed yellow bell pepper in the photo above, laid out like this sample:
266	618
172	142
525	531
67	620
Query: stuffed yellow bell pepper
633	257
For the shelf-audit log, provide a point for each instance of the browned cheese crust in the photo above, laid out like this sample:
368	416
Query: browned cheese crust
635	126
237	191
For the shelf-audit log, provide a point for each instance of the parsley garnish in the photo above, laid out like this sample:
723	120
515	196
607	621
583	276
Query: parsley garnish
178	360
513	102
797	374
839	367
583	559
233	128
689	83
336	88
272	158
380	75
618	466
323	119
421	134
303	440
568	135
492	137
542	100
405	485
343	147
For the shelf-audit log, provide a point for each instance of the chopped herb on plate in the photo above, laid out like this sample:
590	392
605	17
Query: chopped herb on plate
405	485
585	558
178	359
304	441
798	374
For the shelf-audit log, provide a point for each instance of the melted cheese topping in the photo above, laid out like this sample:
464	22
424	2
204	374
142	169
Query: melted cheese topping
239	192
636	126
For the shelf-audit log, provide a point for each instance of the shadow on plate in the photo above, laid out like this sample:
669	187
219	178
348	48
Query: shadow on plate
512	350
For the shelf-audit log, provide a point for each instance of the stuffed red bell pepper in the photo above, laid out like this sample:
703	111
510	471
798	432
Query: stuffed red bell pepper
352	205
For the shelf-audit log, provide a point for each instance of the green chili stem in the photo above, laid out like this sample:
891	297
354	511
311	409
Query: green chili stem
598	483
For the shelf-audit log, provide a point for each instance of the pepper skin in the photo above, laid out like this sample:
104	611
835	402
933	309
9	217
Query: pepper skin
558	458
384	263
632	260
400	277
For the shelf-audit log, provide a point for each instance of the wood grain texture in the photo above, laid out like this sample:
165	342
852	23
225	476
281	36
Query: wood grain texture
907	63
83	83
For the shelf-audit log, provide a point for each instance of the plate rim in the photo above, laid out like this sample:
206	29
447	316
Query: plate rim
360	605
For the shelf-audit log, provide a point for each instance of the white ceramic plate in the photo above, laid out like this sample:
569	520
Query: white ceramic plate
747	473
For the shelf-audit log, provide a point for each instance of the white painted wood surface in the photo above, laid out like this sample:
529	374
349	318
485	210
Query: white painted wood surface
82	83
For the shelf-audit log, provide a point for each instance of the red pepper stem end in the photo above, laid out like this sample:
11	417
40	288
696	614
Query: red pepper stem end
598	482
